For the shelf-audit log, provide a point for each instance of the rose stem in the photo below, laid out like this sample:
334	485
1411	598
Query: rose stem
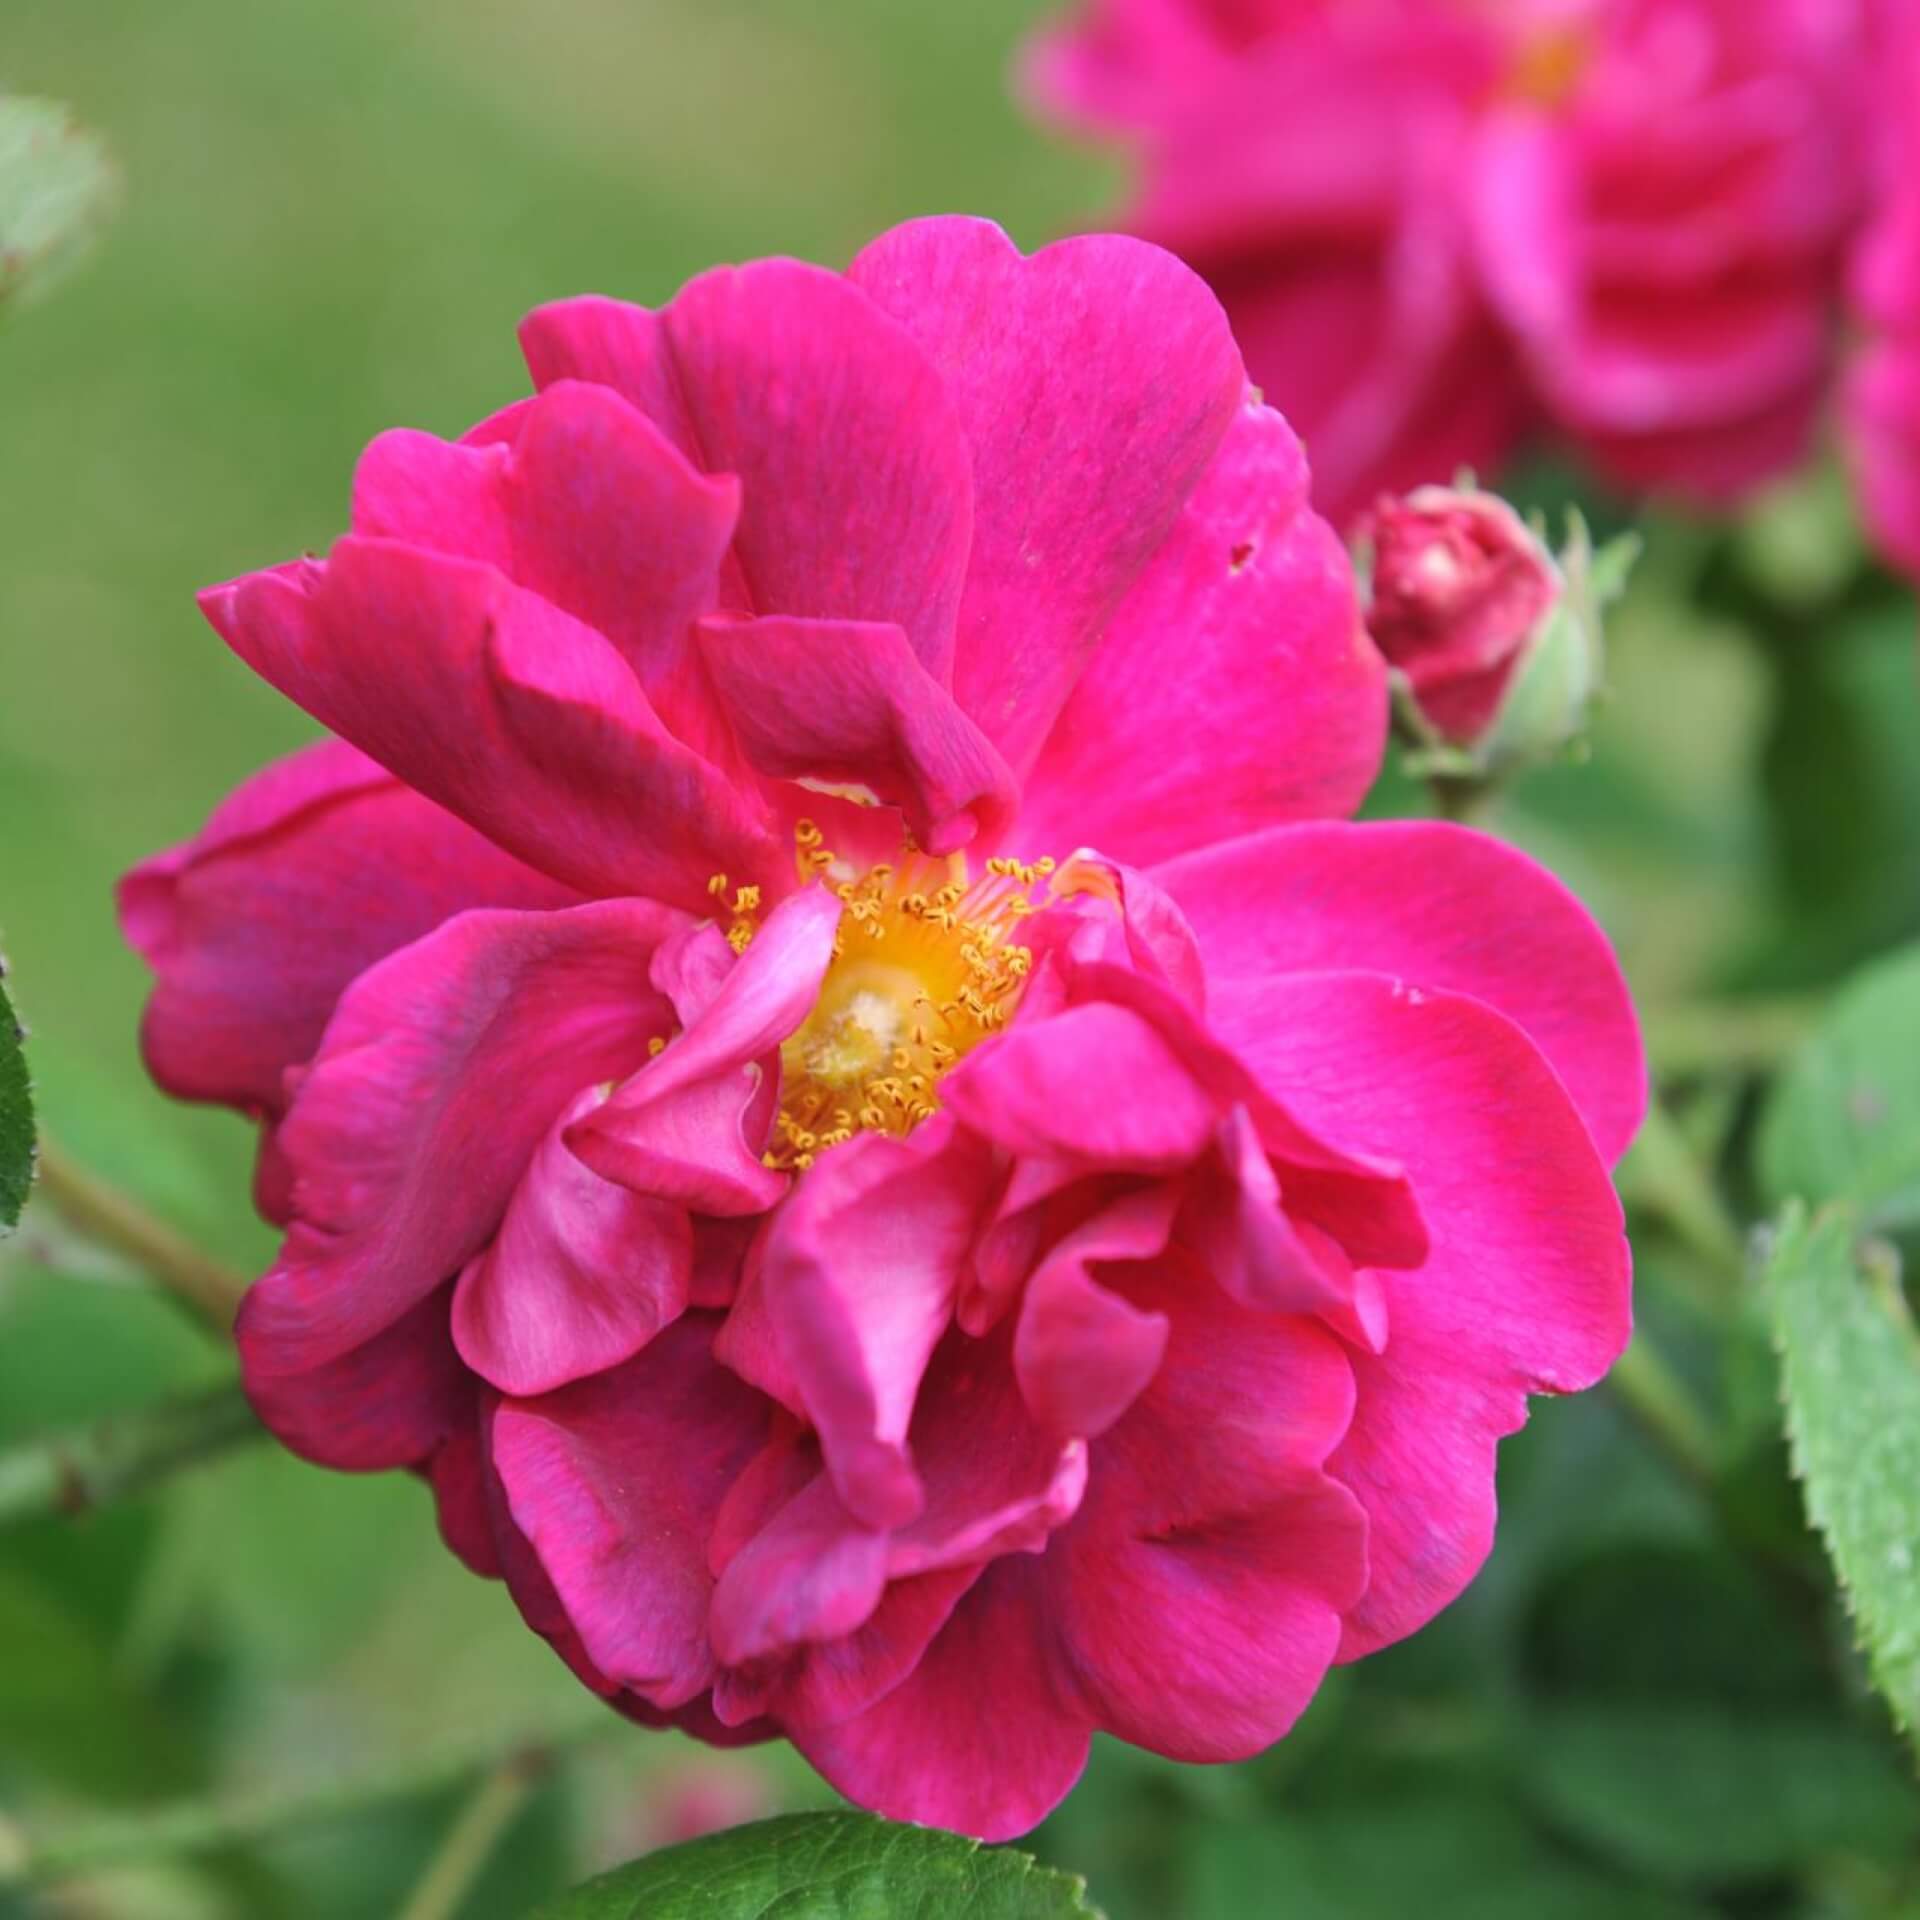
114	1219
88	1467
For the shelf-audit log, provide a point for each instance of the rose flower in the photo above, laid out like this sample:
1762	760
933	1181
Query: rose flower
1435	224
829	1078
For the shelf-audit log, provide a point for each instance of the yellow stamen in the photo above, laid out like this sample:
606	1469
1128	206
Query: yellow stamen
936	969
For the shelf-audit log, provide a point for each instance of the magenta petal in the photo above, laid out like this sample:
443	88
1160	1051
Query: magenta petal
856	497
995	1484
1197	1596
1094	382
812	1573
977	1737
1154	935
689	1145
391	1402
1527	1287
438	1077
846	702
505	710
677	1128
1235	687
461	1475
800	1545
581	1275
1238	1225
303	877
1083	1354
824	1682
616	1481
1095	1083
1440	906
691	968
857	1277
997	1480
589	505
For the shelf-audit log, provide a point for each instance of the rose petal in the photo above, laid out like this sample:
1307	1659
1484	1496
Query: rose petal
440	1073
1440	906
1093	382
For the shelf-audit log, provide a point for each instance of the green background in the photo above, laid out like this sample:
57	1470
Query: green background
334	215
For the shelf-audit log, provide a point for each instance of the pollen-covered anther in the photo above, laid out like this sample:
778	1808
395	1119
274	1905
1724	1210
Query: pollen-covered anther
925	966
744	910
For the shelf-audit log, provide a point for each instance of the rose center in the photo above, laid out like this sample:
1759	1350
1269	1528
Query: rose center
1548	66
926	963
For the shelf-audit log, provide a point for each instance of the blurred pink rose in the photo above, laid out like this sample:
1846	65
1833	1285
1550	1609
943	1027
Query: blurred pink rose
1883	393
702	1797
1436	223
857	1267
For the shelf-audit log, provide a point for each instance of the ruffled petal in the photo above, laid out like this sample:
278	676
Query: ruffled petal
1526	1290
439	1075
391	1402
1095	1084
581	1275
856	495
303	877
847	703
586	503
513	715
857	1280
691	1124
1094	381
977	1737
1196	1599
1440	906
1235	687
615	1481
1082	1353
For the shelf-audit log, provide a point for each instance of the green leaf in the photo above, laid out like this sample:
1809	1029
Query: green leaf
16	1117
57	183
1851	1368
827	1866
1844	1120
1697	1794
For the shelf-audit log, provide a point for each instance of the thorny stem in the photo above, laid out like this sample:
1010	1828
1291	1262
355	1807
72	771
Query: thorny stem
483	1823
91	1466
209	1826
114	1219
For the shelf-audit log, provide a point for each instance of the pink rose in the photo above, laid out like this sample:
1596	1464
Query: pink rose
1433	223
1883	391
827	1081
1460	589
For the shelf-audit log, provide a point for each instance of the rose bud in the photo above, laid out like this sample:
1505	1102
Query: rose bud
1493	641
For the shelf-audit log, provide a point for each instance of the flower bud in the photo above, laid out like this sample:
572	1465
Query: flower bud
1492	640
1460	588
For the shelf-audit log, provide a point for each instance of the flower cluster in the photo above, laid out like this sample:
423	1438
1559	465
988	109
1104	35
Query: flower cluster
832	1076
1438	224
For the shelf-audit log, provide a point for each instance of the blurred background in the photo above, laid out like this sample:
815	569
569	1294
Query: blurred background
334	216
